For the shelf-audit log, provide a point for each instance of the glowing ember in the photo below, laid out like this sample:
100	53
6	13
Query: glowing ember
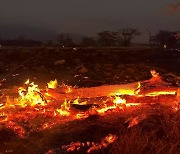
154	73
118	100
76	101
161	93
91	146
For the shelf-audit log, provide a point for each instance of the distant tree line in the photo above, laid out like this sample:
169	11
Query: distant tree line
122	37
21	43
165	39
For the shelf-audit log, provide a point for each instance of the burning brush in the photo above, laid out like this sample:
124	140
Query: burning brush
61	104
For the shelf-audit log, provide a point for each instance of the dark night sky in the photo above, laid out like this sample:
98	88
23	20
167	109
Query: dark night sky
86	16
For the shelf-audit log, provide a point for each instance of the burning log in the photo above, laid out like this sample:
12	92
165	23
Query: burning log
153	87
101	91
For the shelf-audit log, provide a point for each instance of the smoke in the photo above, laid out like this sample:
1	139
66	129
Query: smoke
173	8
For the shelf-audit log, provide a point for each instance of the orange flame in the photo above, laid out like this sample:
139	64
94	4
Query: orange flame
31	95
65	109
52	84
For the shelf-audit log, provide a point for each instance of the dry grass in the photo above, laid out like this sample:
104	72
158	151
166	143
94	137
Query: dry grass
157	134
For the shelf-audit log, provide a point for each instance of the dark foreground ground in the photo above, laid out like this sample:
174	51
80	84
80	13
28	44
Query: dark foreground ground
158	133
85	67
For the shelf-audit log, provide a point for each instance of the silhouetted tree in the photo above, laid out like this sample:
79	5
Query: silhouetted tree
107	38
65	40
165	38
150	38
126	35
88	41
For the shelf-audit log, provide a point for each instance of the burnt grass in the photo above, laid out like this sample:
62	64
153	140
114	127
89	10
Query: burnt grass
87	67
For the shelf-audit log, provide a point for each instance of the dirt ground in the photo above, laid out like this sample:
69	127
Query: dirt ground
85	67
